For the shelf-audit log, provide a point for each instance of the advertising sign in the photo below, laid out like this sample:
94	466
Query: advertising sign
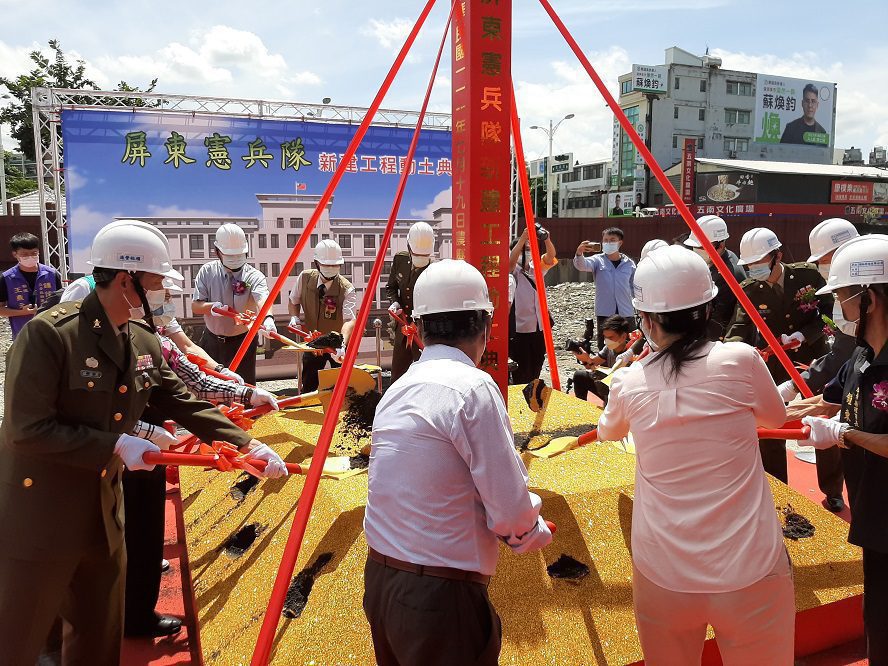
861	191
732	187
798	111
689	155
649	78
205	170
620	203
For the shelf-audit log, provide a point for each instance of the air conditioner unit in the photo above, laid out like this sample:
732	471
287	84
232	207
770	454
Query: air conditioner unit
732	154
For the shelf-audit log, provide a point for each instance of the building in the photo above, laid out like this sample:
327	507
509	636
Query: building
723	114
878	157
583	190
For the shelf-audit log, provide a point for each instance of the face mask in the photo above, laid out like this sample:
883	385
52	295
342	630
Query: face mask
823	269
164	314
702	253
134	312
328	272
761	272
845	326
155	298
29	262
612	344
234	262
420	261
647	335
610	248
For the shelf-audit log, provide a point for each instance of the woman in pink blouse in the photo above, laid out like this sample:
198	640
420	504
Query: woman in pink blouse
707	547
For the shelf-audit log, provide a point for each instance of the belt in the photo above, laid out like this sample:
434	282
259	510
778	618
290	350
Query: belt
227	338
421	570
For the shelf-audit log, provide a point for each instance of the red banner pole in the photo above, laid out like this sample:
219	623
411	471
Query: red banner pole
264	643
682	207
331	187
530	224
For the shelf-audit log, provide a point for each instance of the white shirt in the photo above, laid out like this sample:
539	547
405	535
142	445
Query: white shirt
214	284
349	301
445	479
704	517
527	307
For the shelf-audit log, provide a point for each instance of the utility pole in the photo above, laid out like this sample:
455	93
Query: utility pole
551	134
3	175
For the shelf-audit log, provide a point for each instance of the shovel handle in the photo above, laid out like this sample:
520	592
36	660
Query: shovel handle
588	437
785	433
282	404
198	460
552	527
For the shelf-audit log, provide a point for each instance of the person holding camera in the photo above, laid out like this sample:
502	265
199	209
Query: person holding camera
527	347
613	272
616	332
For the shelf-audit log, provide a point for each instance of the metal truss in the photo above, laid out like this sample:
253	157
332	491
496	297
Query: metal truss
47	104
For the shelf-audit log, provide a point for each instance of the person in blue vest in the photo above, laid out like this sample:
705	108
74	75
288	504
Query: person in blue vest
27	284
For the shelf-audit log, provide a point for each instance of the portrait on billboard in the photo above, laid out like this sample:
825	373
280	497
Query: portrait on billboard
798	130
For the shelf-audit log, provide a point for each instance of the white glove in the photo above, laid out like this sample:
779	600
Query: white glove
788	391
395	307
339	355
537	537
275	467
297	322
263	397
162	437
131	449
217	306
267	327
624	359
825	433
231	375
792	337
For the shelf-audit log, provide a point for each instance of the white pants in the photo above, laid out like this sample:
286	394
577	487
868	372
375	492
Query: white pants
753	625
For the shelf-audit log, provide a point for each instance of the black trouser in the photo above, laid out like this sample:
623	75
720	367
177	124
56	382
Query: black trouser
311	364
403	356
426	621
584	381
528	350
144	497
875	606
830	475
773	453
224	349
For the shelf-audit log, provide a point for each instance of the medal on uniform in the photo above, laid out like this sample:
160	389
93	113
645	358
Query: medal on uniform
97	324
144	362
91	362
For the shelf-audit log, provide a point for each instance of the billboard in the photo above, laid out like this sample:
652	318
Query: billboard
649	78
150	164
858	191
796	111
731	187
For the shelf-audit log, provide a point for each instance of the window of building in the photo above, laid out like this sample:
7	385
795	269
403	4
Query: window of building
700	143
196	245
677	83
736	144
597	171
369	242
314	241
275	269
675	140
368	268
737	117
263	241
345	241
275	241
325	236
627	150
291	240
277	299
279	223
739	88
263	268
295	222
675	112
587	172
702	85
387	268
626	87
701	114
347	269
195	269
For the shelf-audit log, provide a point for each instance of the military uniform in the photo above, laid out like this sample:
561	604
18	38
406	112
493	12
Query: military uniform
725	303
786	309
399	289
73	384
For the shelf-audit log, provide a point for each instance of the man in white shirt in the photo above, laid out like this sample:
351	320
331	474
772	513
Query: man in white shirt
446	486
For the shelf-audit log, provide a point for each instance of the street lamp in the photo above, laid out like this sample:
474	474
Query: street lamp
550	133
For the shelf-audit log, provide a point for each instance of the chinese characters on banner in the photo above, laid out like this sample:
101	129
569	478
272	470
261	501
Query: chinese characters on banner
481	56
649	78
689	155
844	191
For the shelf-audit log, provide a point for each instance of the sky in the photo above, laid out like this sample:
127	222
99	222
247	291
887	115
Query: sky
304	51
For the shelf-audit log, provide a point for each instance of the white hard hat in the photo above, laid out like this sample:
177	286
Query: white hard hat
715	228
671	278
860	261
652	245
450	285
828	235
132	248
328	253
170	285
421	238
231	239
756	244
136	223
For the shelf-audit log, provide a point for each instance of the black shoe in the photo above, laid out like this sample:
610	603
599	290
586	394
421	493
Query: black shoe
834	504
163	625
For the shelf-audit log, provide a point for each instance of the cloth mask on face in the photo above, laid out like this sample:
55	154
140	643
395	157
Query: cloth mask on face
163	315
328	272
29	262
760	272
420	261
647	335
135	312
612	344
610	248
845	326
155	298
823	269
234	262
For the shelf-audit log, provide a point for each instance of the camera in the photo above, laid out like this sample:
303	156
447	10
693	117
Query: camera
541	233
583	344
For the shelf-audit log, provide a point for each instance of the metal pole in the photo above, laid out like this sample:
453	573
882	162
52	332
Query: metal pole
549	175
2	175
377	324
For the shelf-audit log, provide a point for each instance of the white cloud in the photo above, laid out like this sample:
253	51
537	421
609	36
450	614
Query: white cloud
177	211
442	200
390	34
74	180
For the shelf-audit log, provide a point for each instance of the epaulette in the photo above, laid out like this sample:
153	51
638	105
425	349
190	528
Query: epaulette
803	264
61	312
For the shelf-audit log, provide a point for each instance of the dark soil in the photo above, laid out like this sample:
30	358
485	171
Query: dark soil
331	340
238	543
359	461
300	587
243	486
568	568
357	421
795	525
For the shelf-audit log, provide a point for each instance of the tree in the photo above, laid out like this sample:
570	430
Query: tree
16	181
52	73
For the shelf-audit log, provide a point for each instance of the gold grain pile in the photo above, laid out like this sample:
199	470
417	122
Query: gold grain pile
587	492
